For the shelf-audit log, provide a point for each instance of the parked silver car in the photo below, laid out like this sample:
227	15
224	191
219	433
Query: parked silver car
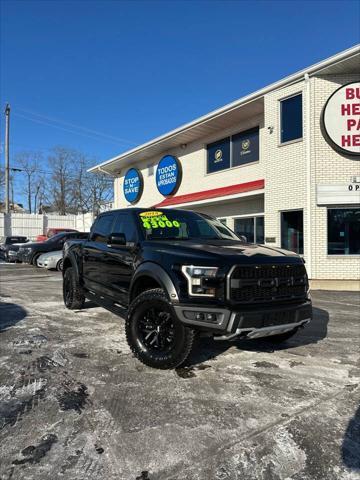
51	260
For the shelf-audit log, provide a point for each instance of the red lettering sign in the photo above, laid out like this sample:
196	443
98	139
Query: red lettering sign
351	93
341	119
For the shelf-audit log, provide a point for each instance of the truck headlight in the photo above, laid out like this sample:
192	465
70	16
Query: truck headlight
201	280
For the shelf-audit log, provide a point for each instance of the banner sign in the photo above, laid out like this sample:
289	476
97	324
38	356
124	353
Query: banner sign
218	155
168	175
133	185
245	147
341	119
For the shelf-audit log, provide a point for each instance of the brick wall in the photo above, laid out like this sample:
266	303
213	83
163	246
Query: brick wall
285	166
328	166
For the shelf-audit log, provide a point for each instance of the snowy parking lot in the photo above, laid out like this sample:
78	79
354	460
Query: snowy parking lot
75	404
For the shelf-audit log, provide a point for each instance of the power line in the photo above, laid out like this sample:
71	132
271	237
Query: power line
62	128
72	126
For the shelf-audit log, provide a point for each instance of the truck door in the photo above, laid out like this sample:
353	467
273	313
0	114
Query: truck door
120	259
96	261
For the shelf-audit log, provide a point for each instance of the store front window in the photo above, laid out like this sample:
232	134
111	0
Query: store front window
344	231
292	231
250	227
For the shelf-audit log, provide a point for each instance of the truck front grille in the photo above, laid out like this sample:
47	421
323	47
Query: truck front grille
267	283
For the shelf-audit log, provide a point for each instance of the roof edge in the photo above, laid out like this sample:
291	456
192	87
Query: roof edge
311	70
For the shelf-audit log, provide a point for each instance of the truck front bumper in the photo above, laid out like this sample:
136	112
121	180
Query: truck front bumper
255	323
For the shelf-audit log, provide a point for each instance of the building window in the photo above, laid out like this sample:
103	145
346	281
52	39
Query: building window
250	227
292	231
245	147
233	151
218	155
343	226
291	127
259	229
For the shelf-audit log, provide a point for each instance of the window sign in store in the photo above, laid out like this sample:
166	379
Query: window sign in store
245	147
133	185
168	175
341	119
218	155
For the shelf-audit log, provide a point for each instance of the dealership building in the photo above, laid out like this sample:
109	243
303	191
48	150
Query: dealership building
280	166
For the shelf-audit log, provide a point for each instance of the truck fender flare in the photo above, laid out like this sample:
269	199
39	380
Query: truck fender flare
70	257
153	270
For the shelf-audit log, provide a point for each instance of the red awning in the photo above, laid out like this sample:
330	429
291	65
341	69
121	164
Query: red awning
215	192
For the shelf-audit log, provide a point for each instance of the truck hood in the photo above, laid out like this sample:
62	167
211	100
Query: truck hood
229	250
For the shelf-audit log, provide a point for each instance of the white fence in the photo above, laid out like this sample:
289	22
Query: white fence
31	224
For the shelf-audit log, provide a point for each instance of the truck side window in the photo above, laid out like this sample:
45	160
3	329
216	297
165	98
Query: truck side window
125	224
102	228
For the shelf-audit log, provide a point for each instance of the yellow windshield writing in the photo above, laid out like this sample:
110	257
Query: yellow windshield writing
157	220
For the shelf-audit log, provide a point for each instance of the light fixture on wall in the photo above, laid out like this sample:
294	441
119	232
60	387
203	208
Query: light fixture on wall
271	129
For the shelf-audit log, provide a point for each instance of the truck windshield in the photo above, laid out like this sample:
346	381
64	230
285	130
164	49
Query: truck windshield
180	225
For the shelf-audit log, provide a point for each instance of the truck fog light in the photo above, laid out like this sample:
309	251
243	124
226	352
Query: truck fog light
206	317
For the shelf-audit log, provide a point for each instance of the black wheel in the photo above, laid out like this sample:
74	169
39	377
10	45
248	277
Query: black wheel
35	259
59	265
155	335
281	337
72	292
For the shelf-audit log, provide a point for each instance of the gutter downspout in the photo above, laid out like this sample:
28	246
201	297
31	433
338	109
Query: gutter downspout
308	133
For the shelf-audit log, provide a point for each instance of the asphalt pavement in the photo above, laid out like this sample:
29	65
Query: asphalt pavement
75	404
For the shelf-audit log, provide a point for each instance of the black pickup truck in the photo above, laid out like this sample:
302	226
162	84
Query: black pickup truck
178	273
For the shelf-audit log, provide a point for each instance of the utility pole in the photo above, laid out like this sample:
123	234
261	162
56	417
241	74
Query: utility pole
7	165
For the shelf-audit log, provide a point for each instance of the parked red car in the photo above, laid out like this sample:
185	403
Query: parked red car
53	231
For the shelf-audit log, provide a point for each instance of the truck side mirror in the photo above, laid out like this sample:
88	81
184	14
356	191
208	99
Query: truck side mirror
243	238
117	240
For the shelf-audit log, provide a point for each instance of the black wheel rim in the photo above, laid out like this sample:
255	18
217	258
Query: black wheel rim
156	330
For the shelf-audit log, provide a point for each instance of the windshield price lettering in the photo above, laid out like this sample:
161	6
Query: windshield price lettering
157	220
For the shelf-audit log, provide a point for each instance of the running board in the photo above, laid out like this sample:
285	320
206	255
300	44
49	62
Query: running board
106	303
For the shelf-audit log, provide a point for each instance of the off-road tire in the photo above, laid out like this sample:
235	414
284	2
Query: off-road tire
72	292
182	336
35	259
59	265
281	337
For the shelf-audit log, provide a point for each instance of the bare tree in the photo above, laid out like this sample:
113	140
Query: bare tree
29	163
80	184
71	188
62	162
100	191
40	194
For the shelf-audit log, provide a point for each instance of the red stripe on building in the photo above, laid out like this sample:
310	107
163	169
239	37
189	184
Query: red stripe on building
215	192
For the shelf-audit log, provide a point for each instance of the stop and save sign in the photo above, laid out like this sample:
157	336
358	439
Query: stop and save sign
341	119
